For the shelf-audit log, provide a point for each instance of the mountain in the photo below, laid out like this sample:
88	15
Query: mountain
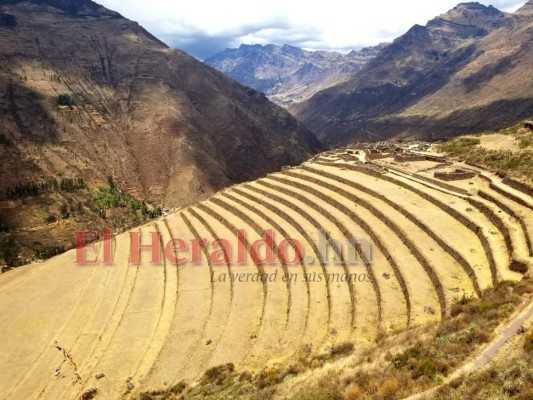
288	74
468	70
88	94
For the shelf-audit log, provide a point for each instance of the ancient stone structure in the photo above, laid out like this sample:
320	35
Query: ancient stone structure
457	175
375	154
409	157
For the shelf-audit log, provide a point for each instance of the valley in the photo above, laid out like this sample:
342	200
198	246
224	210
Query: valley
289	75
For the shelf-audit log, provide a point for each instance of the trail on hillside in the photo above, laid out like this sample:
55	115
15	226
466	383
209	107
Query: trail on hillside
487	354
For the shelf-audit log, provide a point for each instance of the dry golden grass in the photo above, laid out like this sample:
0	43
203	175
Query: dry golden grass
323	338
411	362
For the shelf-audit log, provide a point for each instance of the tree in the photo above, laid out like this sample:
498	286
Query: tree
65	100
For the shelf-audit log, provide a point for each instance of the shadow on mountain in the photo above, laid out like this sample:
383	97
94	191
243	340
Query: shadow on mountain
8	21
373	101
492	117
31	119
490	71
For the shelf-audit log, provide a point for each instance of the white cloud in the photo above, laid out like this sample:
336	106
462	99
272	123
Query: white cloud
204	27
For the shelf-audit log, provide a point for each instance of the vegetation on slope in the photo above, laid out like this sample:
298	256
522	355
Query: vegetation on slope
110	197
39	219
508	379
394	368
515	161
67	115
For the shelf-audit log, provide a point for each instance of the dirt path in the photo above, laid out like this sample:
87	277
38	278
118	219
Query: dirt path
487	354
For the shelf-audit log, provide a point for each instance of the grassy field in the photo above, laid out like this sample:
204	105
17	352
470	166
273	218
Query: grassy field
395	367
508	152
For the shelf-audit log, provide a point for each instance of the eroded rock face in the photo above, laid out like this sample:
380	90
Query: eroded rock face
164	125
289	75
467	70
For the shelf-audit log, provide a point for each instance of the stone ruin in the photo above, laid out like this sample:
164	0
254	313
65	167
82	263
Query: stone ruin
457	175
401	150
409	157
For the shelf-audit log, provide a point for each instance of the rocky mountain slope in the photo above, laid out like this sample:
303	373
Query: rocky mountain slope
86	93
288	74
467	70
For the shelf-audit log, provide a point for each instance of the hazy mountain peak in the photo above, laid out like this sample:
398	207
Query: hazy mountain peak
289	74
249	46
287	48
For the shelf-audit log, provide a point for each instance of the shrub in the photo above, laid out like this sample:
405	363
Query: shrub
388	388
459	145
65	100
315	394
402	360
213	373
472	334
49	252
49	186
512	379
528	343
219	374
458	307
111	183
65	210
425	368
10	253
178	388
89	394
526	142
343	348
354	393
468	141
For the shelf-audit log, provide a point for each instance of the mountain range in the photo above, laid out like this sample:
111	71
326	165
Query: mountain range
468	70
88	93
89	96
102	122
289	75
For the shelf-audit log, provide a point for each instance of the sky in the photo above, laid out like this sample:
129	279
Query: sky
205	27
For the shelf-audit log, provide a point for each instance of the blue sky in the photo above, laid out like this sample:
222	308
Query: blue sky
202	28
